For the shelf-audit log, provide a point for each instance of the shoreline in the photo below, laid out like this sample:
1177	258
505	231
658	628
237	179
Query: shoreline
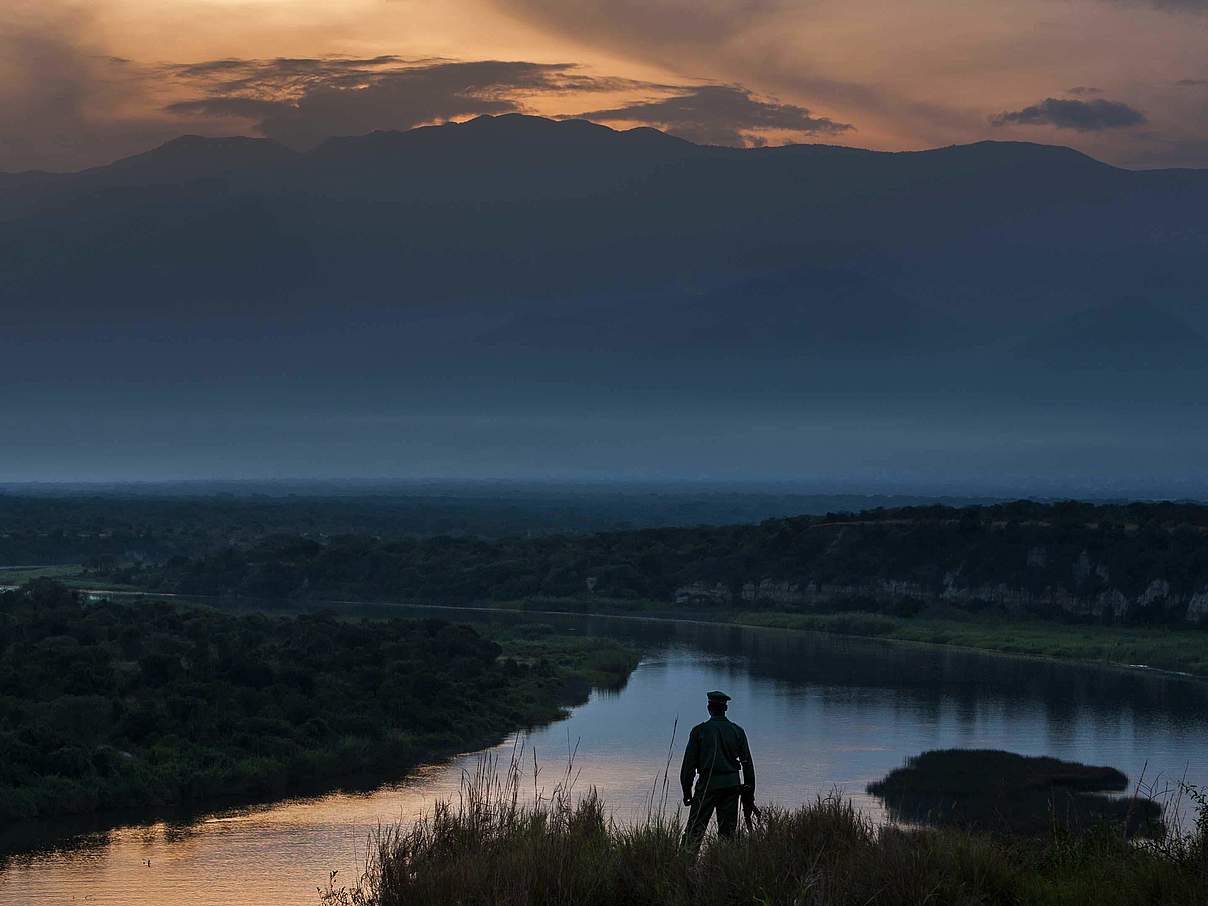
571	669
800	622
750	620
777	620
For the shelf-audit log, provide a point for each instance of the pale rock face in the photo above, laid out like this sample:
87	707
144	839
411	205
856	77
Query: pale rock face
1158	592
811	593
773	591
1114	601
701	592
1082	568
1197	607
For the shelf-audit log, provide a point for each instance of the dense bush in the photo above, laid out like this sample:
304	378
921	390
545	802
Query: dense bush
105	706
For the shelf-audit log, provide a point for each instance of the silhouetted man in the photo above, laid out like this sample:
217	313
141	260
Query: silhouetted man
717	750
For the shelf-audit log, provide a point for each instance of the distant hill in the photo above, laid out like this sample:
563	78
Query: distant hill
1131	335
71	525
530	268
1067	562
489	158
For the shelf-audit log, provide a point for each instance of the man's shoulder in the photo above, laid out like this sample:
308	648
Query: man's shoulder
715	726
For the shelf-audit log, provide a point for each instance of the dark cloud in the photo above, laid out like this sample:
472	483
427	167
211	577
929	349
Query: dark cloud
1082	116
240	108
722	40
1191	83
302	101
65	103
720	115
1196	6
1170	6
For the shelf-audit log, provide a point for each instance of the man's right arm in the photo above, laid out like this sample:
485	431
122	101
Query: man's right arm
688	767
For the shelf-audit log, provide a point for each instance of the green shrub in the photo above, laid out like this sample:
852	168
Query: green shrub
220	708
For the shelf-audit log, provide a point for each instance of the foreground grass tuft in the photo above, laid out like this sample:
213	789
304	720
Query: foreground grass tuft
489	848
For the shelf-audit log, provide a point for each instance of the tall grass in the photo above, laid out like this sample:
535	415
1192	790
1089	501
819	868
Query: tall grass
493	845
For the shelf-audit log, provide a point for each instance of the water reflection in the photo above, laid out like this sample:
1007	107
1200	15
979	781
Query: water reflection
822	712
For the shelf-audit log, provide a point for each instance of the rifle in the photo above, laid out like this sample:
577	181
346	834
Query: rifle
750	811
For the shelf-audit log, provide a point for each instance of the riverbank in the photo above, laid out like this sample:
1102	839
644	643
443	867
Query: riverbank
1181	649
151	708
1175	649
564	850
1178	650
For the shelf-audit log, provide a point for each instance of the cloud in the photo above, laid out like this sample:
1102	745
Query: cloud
649	22
721	115
1168	6
1195	6
302	101
64	102
1081	116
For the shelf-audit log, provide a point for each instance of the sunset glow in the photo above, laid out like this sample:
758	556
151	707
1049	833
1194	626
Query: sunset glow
1124	80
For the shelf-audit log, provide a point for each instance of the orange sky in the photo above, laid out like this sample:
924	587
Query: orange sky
898	75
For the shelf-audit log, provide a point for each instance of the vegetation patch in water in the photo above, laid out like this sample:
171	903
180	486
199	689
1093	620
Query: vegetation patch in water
1004	792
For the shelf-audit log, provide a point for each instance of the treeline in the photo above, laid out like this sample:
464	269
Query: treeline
1044	558
150	707
120	526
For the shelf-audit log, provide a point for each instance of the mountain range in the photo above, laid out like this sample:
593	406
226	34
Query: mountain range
610	301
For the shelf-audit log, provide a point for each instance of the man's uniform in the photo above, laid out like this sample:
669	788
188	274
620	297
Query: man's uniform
716	750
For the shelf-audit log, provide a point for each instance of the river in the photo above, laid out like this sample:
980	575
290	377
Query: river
823	713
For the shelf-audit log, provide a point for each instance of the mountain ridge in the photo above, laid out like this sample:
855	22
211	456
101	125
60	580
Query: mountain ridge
553	127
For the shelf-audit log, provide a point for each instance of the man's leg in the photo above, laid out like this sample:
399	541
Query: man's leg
727	811
698	819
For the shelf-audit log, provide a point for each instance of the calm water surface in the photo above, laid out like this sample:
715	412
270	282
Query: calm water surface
822	713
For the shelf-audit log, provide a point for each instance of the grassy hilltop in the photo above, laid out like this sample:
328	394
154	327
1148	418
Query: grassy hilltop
489	850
